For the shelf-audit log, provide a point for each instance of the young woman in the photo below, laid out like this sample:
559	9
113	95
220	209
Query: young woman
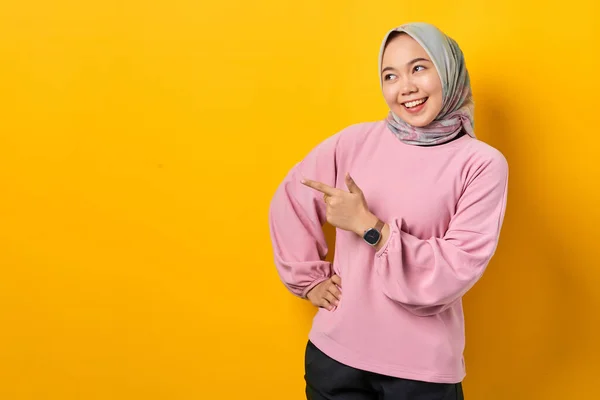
418	203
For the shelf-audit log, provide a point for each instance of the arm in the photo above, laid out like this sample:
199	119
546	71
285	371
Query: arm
296	217
427	276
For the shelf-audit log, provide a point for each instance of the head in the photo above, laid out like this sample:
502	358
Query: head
410	82
423	75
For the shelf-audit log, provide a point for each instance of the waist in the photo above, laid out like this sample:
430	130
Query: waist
375	334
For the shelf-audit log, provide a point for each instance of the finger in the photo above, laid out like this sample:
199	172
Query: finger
337	280
352	186
326	304
333	289
321	187
331	298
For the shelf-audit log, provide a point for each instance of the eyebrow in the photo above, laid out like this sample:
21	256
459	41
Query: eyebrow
416	60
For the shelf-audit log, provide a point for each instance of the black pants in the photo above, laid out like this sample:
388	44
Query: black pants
327	379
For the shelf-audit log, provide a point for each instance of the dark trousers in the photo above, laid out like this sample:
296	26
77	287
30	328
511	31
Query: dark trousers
327	379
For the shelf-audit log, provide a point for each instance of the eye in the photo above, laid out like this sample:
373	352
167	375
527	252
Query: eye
416	69
388	77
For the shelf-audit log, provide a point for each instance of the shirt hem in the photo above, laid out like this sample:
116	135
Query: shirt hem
347	357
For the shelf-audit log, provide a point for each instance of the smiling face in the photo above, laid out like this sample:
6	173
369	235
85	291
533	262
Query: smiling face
410	82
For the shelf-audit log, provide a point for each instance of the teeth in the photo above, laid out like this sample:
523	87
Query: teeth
414	103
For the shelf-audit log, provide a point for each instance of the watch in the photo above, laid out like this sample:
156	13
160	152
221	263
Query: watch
373	235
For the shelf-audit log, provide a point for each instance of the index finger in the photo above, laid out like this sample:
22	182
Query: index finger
321	187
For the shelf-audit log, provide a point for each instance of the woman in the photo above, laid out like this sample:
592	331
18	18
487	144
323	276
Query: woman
418	203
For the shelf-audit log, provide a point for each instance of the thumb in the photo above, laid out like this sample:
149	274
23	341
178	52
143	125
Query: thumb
337	280
352	186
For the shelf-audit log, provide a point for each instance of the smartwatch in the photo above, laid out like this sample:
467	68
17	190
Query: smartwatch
373	235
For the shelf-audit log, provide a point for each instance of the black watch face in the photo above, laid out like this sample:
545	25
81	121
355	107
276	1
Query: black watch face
372	236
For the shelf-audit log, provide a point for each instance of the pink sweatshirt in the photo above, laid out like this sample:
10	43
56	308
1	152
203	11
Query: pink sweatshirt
400	312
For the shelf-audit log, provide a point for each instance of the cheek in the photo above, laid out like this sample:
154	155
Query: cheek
437	105
432	85
390	95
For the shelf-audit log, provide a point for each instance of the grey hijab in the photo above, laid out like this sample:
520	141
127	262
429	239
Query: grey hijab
457	100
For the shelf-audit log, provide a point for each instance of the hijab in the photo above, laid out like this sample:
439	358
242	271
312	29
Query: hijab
457	99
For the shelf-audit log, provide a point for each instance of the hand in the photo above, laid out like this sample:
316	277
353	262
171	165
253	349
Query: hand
326	294
345	210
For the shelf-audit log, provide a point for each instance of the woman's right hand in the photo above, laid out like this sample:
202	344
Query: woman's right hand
326	294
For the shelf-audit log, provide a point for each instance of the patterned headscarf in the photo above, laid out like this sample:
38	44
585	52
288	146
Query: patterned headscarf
457	99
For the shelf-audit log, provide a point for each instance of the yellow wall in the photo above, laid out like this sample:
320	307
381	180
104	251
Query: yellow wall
140	144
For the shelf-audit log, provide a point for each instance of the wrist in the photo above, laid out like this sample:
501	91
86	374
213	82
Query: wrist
367	221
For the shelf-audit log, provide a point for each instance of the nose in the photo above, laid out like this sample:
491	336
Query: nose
408	87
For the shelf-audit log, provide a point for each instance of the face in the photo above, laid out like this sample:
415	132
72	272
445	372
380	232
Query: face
411	85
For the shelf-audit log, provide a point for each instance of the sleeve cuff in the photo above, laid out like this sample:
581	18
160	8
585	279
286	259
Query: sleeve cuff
393	231
312	285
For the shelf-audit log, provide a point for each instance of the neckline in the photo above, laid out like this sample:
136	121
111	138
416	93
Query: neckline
453	143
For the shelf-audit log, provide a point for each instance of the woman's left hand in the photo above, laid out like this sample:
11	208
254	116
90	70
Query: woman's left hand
345	210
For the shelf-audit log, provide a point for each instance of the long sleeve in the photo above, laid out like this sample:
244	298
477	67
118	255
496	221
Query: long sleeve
428	276
296	217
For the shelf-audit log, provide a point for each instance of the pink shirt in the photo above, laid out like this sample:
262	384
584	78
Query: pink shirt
401	310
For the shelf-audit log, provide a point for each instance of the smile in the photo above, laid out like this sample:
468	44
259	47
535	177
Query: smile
415	103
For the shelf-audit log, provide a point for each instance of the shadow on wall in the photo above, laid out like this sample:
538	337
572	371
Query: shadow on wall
522	324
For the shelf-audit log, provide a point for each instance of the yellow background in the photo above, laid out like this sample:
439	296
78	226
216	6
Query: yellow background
140	144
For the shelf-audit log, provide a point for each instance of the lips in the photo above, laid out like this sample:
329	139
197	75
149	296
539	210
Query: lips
415	106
